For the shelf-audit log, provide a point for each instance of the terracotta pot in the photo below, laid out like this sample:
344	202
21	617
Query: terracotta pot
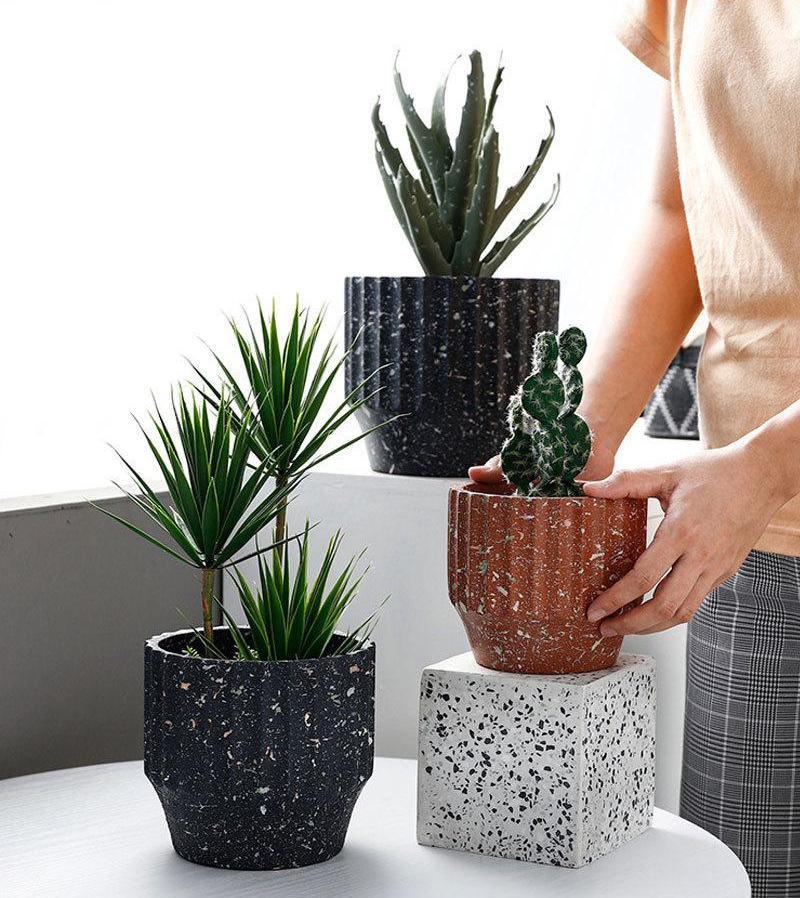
523	571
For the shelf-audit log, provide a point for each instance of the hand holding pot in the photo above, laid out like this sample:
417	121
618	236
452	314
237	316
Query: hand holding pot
601	463
717	504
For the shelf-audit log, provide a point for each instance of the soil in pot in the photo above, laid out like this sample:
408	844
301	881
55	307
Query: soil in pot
450	353
522	572
258	765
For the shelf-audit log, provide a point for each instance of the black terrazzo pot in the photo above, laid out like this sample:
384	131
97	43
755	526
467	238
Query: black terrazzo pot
257	764
453	351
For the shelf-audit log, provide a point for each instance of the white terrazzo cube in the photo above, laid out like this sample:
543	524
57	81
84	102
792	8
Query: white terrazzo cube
550	769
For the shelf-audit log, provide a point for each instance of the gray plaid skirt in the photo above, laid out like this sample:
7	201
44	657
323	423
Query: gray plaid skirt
741	754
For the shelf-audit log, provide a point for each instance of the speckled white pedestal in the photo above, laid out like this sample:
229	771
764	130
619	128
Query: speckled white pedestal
552	769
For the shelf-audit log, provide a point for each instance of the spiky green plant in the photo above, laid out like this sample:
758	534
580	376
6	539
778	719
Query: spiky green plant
450	212
218	500
549	443
293	614
282	391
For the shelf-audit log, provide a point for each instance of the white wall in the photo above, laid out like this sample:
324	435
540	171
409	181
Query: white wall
162	161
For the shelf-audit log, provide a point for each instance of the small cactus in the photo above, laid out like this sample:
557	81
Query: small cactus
449	210
549	444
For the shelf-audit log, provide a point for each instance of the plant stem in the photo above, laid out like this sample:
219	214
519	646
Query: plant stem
206	595
280	519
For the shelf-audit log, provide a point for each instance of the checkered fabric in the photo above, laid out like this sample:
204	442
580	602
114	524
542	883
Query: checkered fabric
741	755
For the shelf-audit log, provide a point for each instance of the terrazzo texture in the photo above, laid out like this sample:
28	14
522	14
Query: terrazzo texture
523	570
452	351
257	764
555	770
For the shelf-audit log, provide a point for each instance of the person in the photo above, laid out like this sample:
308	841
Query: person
721	231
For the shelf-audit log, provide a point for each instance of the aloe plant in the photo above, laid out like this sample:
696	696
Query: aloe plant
449	213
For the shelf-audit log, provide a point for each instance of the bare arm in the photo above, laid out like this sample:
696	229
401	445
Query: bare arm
650	316
646	321
717	502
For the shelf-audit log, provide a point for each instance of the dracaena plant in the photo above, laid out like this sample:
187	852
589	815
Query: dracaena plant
282	391
218	499
449	212
293	613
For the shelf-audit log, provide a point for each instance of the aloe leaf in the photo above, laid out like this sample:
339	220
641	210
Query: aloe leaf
423	172
514	193
466	258
391	192
433	157
503	248
493	98
461	175
439	119
428	251
440	230
391	154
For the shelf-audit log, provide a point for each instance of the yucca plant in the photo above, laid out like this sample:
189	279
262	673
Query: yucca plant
449	213
293	614
282	392
218	500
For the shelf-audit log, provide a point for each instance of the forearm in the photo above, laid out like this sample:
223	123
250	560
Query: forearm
775	450
643	327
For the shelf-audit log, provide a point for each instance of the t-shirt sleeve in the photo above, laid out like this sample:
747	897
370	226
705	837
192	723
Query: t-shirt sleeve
642	26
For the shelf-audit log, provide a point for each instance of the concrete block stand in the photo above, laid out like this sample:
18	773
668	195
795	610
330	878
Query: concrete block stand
555	769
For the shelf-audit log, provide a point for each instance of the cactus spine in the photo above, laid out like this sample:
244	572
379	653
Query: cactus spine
549	443
449	210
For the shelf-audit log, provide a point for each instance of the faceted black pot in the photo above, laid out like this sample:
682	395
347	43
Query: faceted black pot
452	351
257	764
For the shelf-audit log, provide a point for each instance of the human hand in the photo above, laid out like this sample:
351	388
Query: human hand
717	504
600	464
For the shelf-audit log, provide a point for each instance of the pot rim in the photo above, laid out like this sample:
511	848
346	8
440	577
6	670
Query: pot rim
453	277
154	644
505	492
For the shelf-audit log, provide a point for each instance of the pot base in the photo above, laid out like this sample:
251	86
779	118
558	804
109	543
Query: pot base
538	647
431	442
257	836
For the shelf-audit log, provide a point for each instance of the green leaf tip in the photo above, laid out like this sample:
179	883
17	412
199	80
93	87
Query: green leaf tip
448	209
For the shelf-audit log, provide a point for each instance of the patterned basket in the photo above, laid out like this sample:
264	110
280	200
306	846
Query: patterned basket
671	412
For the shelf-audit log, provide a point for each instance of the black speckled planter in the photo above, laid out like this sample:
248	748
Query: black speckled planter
454	349
257	765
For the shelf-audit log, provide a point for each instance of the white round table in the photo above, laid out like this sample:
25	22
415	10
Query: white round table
100	831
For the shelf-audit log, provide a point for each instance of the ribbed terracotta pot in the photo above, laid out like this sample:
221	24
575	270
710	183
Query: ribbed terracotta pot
522	572
451	352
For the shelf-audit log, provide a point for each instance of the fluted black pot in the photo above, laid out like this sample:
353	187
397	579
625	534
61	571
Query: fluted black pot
452	351
257	764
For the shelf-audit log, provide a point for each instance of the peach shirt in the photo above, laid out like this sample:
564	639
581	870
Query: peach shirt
734	70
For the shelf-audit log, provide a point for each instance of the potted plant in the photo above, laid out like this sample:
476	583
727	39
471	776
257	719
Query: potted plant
258	738
527	558
452	345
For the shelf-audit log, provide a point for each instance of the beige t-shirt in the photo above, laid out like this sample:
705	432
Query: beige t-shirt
734	70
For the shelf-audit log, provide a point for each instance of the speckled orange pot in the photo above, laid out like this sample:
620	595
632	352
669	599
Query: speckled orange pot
523	571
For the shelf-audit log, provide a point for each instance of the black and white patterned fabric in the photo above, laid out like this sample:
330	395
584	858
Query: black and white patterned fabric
741	759
671	412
